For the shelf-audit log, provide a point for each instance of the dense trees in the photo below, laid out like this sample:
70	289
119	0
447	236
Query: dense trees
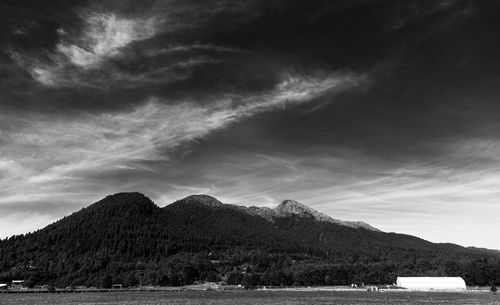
127	239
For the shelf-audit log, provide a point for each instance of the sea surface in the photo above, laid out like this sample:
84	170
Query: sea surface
251	298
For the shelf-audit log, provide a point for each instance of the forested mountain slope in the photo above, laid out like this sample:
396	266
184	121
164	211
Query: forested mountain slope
126	238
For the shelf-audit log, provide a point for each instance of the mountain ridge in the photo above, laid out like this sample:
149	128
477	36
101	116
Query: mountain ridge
286	208
126	238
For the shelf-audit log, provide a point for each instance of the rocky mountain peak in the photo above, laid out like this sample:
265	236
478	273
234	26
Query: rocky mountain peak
203	199
288	206
291	207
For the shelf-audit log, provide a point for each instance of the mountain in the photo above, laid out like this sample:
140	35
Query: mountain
292	207
126	238
202	199
289	208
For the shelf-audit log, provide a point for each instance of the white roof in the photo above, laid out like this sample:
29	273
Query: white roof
431	283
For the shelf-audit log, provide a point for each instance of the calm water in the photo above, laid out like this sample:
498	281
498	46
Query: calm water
252	297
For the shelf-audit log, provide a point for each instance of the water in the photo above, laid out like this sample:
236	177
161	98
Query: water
251	298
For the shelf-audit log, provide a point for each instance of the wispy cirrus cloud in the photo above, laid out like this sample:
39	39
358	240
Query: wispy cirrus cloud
88	56
76	56
102	38
46	158
111	49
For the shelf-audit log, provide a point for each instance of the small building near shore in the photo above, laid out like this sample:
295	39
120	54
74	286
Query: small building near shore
432	283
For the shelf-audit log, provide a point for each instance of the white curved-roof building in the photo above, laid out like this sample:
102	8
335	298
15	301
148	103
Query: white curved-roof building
432	283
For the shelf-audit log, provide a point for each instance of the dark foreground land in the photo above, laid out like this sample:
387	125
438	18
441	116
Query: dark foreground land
253	297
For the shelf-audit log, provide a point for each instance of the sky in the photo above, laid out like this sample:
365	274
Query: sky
382	111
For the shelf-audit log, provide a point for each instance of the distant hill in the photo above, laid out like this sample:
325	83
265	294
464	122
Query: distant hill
126	238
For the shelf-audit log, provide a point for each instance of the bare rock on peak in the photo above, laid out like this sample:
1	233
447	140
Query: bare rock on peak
291	207
203	199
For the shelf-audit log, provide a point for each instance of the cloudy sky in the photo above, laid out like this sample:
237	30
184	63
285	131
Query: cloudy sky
384	111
